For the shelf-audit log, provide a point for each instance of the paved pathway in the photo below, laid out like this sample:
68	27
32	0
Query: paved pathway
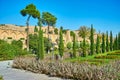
9	73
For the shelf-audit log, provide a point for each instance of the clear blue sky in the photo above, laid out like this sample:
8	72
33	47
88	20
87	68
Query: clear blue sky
71	14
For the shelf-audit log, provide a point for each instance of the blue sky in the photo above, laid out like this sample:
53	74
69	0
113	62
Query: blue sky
71	14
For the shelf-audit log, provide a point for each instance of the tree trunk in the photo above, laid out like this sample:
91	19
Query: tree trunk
27	23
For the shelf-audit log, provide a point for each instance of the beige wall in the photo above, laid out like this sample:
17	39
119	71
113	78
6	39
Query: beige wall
17	32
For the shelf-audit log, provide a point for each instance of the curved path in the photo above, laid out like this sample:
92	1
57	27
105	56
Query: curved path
9	73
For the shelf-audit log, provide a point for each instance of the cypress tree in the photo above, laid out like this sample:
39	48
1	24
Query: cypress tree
103	43
84	48
116	42
40	43
92	41
115	46
61	44
119	40
111	41
35	29
107	42
74	46
98	44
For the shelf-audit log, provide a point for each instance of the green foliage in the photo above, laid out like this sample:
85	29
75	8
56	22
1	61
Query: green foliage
84	48
107	57
84	31
29	10
33	42
71	33
61	44
91	41
98	44
34	38
119	40
47	44
41	45
69	45
35	29
103	43
9	51
2	24
107	42
77	45
64	31
40	54
18	43
115	45
48	19
114	53
56	31
111	41
74	46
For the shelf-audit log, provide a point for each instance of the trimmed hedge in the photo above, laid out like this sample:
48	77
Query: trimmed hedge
114	53
106	57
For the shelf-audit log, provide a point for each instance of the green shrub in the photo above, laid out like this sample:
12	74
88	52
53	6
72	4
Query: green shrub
56	31
17	43
8	51
106	57
115	53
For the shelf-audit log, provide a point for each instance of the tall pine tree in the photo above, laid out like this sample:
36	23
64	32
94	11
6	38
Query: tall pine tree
107	42
61	44
103	43
111	41
92	41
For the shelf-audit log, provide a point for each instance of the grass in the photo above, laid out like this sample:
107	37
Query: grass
1	78
97	59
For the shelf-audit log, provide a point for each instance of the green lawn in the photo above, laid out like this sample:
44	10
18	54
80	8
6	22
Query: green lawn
97	59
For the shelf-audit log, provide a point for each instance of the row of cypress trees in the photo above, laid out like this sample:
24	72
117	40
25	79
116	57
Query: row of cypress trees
107	44
104	43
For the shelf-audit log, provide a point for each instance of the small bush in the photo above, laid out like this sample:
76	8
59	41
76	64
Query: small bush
83	71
